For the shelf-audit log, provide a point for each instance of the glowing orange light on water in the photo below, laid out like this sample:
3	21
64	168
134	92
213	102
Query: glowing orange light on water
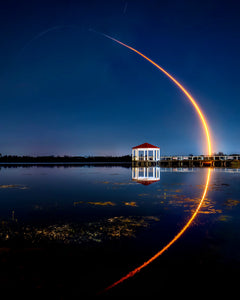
177	236
185	227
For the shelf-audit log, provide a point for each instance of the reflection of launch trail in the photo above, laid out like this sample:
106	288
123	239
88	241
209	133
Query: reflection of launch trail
177	236
185	227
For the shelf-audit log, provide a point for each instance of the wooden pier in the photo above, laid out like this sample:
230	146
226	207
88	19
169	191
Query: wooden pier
147	155
201	161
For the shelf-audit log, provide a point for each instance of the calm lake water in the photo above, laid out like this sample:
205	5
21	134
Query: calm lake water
84	227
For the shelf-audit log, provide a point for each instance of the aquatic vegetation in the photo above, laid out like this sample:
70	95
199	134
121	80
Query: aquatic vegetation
13	186
230	203
224	218
143	195
102	203
76	233
131	204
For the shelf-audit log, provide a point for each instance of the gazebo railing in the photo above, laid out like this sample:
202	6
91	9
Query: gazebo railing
143	158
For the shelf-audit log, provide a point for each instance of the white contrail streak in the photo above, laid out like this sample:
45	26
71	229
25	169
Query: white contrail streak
42	33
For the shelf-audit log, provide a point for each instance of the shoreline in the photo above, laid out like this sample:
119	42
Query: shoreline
125	164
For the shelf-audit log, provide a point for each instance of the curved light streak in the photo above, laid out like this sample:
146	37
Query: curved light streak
176	237
185	227
194	103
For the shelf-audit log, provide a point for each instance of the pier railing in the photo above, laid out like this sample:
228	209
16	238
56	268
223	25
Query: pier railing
190	161
201	160
200	157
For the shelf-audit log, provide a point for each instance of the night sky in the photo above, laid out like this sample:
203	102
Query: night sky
66	90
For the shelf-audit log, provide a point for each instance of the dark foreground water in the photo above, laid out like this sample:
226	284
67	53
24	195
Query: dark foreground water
82	228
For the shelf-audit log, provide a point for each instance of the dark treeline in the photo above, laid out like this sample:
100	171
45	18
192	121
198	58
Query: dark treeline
64	159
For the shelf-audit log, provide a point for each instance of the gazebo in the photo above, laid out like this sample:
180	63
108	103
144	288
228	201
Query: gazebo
145	153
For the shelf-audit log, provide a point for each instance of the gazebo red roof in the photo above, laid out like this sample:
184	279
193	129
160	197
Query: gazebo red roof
145	145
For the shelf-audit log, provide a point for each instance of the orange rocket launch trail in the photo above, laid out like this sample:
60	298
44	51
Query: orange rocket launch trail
209	150
194	103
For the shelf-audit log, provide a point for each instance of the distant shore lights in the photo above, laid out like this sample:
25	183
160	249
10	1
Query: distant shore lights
146	152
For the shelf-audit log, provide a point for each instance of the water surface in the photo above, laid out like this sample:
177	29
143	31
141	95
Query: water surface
84	227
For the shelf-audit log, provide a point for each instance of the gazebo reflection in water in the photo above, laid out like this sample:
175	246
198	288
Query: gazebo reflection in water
146	175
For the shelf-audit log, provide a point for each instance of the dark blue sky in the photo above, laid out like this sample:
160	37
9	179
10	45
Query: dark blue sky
67	90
